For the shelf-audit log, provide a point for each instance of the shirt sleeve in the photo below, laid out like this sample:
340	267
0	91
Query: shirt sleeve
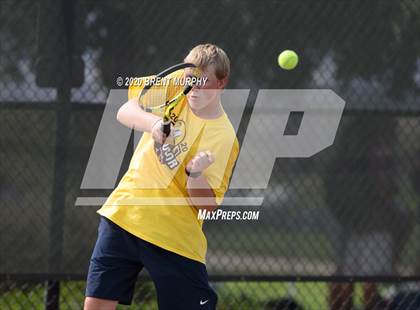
135	88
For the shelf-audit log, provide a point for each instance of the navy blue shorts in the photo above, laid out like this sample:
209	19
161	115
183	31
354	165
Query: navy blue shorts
118	257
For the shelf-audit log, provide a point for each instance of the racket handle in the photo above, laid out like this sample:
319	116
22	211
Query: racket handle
166	128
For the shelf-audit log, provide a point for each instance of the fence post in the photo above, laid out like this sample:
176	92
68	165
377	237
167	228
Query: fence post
62	42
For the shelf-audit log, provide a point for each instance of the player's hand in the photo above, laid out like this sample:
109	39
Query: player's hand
157	133
200	162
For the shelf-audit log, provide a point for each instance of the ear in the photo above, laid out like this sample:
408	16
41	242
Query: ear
222	83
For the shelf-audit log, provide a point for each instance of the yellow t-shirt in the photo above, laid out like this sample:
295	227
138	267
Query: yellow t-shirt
151	200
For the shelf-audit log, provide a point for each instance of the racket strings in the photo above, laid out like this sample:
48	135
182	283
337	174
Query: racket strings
162	93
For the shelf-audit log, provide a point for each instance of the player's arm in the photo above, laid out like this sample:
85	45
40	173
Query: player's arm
200	192
134	117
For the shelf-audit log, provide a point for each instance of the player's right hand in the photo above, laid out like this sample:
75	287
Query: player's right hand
157	133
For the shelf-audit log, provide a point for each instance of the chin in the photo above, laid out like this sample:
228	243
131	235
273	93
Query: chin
196	104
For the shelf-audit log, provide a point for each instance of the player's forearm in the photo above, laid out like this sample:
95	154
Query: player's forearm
200	193
132	116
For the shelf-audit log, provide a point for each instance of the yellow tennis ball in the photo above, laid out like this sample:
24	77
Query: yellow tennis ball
288	60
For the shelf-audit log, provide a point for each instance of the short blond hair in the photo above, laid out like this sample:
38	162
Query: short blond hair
204	55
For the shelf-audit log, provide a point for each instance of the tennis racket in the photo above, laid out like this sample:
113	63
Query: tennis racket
158	96
153	97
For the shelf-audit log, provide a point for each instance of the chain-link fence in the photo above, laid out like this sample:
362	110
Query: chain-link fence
335	231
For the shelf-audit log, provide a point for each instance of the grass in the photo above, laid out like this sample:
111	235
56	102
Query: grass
256	295
31	296
274	242
232	295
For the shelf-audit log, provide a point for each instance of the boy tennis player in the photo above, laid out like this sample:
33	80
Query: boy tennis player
150	220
